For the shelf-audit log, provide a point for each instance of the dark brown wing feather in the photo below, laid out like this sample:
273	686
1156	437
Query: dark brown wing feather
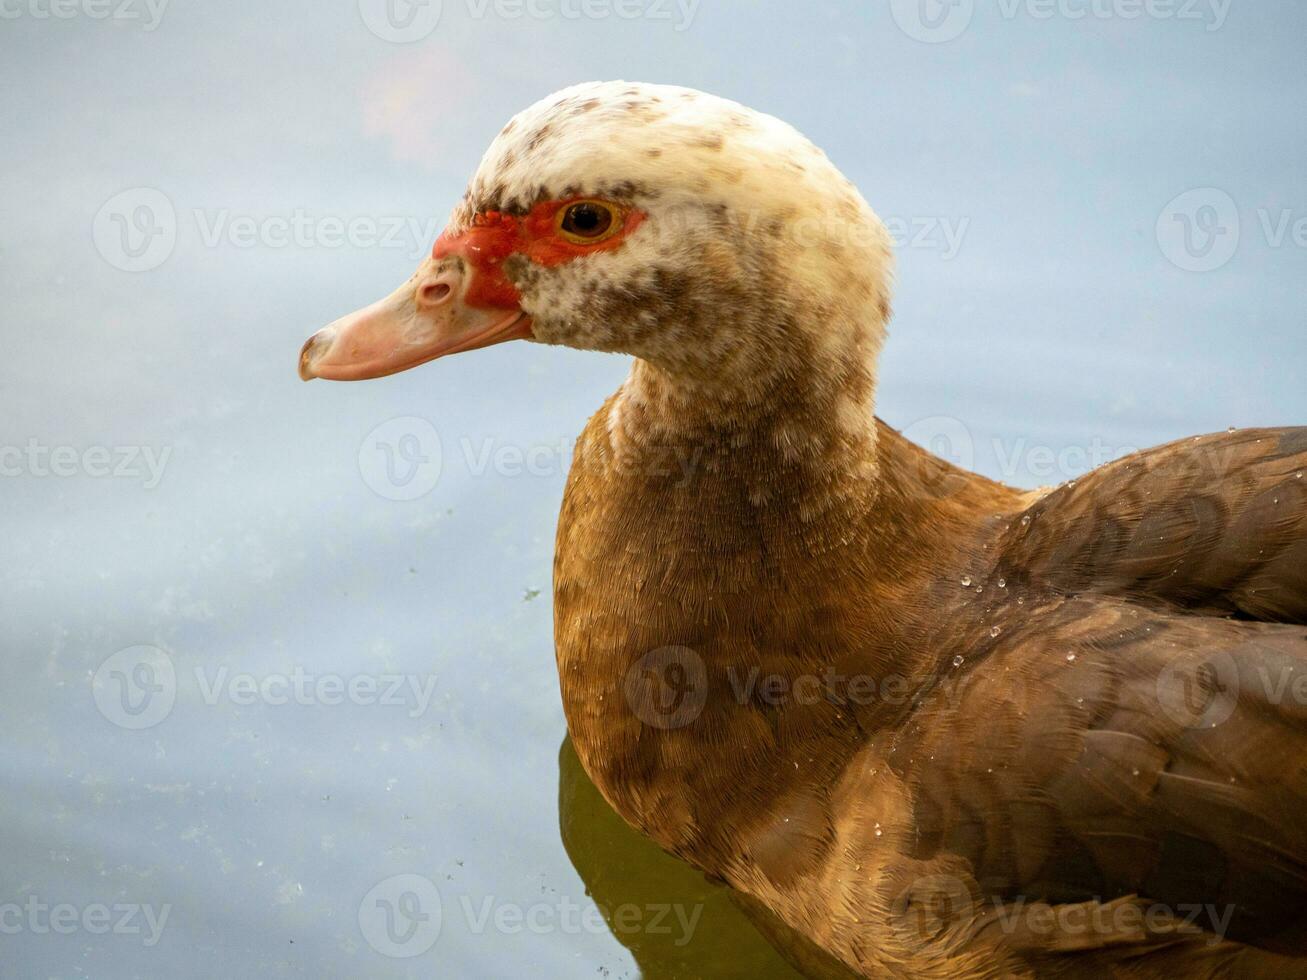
1125	730
1216	524
1103	750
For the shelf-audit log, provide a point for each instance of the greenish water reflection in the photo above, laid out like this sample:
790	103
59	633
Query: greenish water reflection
624	870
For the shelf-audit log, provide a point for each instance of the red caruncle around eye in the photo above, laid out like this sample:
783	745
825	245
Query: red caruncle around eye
494	236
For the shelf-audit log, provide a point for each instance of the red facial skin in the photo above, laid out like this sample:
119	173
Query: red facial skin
494	236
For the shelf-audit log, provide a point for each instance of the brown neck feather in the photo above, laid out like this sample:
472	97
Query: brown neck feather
775	541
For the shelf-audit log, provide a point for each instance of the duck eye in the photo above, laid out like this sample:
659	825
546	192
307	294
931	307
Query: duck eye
587	222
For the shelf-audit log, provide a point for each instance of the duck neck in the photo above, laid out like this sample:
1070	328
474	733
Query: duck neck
807	422
774	537
744	541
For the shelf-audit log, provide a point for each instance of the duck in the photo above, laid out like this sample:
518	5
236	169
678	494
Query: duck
926	723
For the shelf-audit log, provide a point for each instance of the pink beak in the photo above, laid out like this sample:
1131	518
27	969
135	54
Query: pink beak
423	319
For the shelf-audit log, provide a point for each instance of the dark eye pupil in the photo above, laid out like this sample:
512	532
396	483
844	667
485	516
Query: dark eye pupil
587	219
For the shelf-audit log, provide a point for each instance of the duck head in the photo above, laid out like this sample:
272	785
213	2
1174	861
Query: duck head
714	243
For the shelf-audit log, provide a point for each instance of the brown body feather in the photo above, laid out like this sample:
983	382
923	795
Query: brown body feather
1088	759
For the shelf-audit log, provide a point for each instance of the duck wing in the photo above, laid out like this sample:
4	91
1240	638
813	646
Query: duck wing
1100	750
1216	525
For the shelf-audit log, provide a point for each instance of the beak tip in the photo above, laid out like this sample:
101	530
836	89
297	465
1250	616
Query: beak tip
306	358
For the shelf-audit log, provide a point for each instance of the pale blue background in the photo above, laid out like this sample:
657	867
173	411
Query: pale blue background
1059	323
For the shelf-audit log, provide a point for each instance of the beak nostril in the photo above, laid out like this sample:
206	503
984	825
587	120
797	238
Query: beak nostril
434	292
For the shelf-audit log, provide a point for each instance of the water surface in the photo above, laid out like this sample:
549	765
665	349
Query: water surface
1027	162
